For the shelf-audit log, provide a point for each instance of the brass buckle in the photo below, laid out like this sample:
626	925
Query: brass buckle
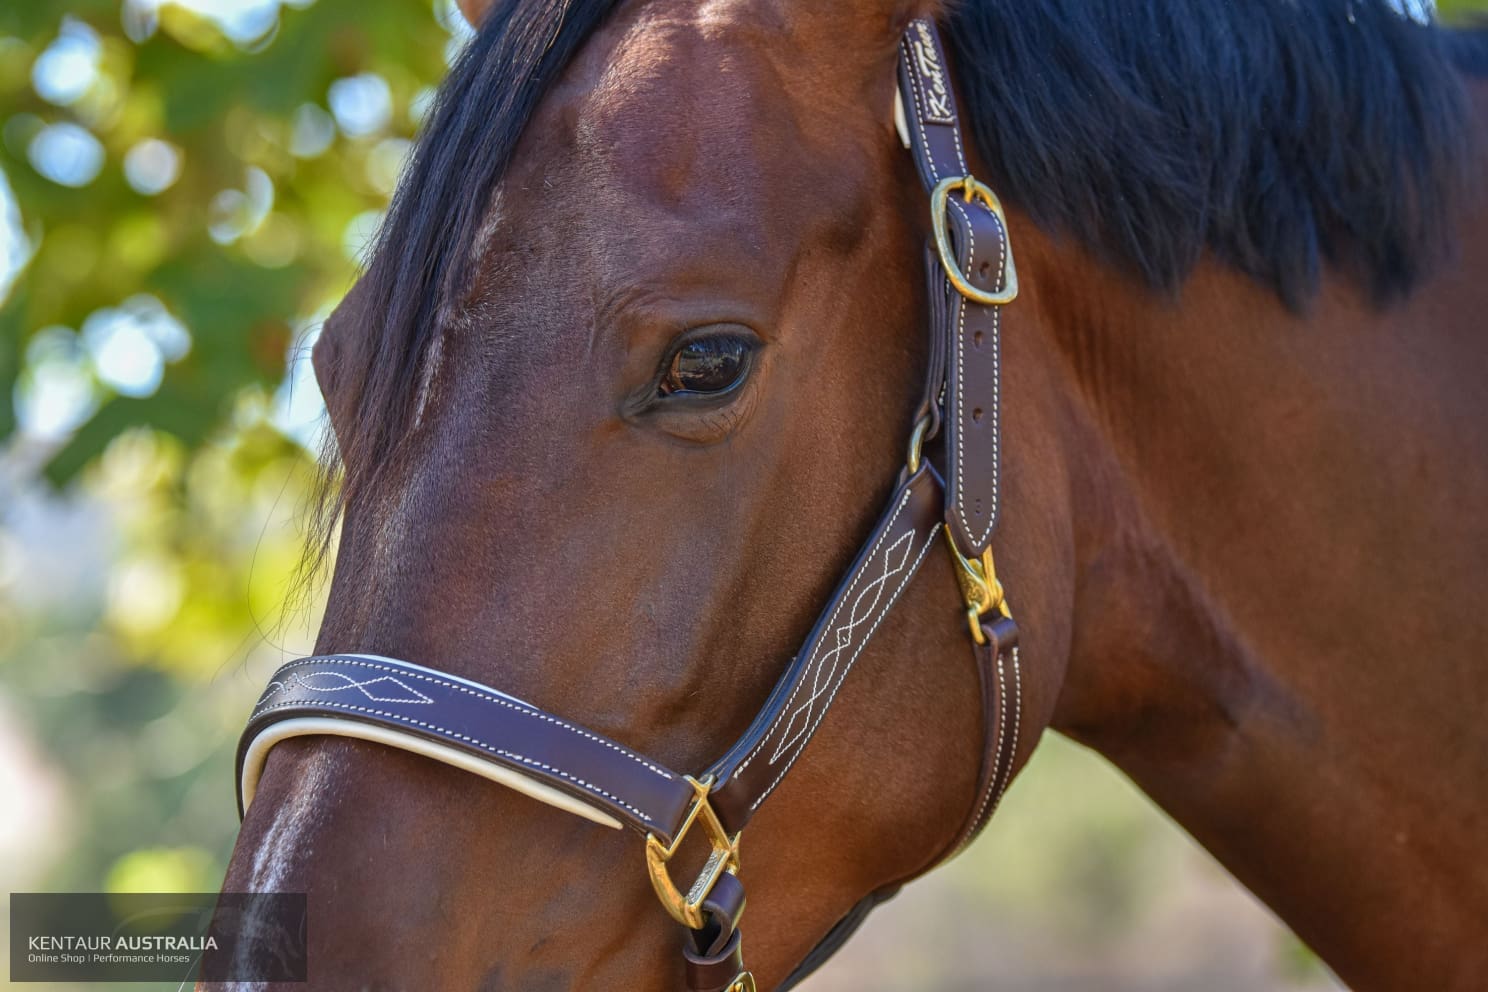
743	982
973	190
979	587
688	909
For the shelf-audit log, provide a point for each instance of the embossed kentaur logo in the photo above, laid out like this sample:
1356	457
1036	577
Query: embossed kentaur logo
937	97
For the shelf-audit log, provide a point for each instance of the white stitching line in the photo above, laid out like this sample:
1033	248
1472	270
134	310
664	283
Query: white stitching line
997	755
1003	240
1007	774
842	640
909	574
362	687
273	688
955	126
960	420
491	748
917	86
961	307
857	575
433	678
888	529
919	119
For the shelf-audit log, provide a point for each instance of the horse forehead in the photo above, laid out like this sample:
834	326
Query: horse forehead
700	118
672	81
686	123
720	71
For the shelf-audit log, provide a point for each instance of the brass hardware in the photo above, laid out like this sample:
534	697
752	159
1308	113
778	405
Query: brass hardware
916	442
973	190
979	587
743	982
688	909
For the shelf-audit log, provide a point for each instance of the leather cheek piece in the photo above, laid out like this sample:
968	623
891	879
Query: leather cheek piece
966	333
759	761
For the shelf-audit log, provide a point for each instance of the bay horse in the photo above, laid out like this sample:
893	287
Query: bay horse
631	371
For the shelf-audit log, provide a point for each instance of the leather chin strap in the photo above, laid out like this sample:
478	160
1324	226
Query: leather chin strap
497	736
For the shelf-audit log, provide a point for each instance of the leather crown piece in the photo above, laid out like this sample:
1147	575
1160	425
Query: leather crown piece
499	737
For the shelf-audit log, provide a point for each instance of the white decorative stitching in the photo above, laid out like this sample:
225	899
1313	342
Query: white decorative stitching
956	137
523	708
909	574
960	421
271	690
996	752
917	87
1001	775
363	687
1007	773
919	119
484	746
842	637
857	575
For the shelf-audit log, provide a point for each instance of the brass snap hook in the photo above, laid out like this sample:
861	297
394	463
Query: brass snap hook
980	589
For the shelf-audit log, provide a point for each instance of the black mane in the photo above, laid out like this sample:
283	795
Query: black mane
1278	134
422	257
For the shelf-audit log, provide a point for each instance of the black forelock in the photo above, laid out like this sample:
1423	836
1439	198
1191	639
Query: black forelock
422	257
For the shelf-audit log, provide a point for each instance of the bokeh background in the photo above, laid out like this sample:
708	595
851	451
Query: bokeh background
186	189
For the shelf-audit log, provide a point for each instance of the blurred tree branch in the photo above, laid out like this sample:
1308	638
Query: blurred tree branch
248	242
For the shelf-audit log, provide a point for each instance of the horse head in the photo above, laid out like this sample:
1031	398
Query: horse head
618	402
641	358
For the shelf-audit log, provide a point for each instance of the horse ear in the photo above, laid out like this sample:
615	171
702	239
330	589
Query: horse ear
341	356
474	10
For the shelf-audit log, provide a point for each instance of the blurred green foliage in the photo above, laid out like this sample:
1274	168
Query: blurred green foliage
250	240
1462	11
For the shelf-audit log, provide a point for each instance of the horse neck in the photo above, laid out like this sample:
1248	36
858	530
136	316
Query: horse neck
1281	528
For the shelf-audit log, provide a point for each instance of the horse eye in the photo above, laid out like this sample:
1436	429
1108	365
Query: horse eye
708	365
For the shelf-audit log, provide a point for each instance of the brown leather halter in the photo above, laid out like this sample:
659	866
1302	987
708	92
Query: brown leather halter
486	732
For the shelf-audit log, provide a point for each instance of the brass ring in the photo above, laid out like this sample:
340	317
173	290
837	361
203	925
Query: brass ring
916	442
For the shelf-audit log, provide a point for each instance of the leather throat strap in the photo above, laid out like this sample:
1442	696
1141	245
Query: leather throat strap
507	740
